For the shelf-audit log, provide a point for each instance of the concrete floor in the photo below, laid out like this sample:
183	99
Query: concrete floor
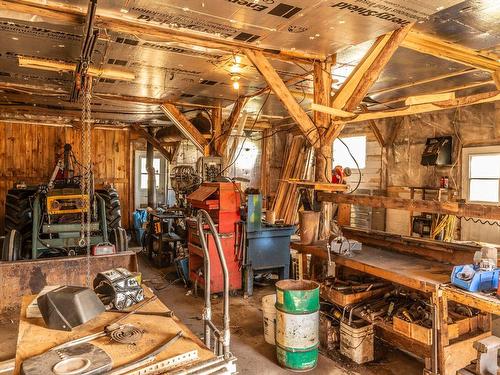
254	355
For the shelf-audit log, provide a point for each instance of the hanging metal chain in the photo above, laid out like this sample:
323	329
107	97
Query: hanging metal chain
85	178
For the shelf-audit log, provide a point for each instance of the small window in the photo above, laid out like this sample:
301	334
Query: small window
144	172
357	146
484	178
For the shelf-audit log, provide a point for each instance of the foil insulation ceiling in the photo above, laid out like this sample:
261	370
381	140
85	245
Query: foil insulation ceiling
185	73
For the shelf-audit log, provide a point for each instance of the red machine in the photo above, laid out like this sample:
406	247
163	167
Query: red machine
222	201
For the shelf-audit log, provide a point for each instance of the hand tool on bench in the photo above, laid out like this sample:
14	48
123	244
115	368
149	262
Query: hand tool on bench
109	328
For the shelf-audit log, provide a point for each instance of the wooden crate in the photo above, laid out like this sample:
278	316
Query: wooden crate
342	299
420	333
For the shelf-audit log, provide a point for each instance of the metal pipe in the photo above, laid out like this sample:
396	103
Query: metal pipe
225	274
151	173
207	311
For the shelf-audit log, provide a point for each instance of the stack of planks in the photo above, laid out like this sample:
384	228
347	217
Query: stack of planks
295	165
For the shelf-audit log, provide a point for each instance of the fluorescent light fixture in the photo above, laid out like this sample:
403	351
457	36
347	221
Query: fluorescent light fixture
60	66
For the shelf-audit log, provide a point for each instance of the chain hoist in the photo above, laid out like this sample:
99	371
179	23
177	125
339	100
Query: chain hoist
85	178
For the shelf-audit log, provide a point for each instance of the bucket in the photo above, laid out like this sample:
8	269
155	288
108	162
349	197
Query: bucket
357	342
309	226
269	317
297	324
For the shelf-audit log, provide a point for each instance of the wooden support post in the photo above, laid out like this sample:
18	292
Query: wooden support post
265	164
152	140
216	131
274	81
323	153
185	126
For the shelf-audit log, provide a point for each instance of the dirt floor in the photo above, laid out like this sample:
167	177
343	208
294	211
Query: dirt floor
254	355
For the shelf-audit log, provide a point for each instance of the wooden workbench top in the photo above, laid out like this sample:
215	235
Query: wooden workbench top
481	301
34	338
411	271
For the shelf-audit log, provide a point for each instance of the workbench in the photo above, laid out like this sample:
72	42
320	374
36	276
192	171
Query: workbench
34	338
427	276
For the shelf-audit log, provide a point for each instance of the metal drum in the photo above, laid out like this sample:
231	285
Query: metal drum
297	324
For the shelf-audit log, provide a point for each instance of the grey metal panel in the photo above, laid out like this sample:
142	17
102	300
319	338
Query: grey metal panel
472	23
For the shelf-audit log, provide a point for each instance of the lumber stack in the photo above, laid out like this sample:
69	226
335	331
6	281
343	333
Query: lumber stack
295	165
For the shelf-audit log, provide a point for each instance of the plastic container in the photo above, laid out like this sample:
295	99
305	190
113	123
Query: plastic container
297	324
269	318
481	281
357	342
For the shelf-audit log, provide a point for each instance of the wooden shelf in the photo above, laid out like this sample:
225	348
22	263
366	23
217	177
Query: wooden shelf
320	186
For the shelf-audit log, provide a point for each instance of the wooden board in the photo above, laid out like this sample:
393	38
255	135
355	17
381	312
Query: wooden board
28	153
23	278
320	186
410	271
34	338
343	299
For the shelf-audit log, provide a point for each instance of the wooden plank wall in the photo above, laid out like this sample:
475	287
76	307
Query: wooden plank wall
28	153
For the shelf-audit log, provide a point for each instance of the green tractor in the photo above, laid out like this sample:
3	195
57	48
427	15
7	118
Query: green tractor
46	220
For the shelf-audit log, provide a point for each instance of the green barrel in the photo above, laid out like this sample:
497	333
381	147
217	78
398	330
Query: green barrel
297	324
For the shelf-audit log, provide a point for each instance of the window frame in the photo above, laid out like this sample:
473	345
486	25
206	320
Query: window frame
157	174
467	153
334	163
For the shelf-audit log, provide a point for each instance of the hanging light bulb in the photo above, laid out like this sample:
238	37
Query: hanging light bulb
236	81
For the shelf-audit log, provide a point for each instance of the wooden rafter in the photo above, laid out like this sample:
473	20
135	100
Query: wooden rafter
151	139
438	47
366	73
449	89
229	124
185	126
463	101
451	208
49	91
422	81
274	81
74	16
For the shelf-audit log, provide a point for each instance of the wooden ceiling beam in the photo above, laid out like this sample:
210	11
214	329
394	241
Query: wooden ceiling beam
155	142
48	91
356	86
447	90
185	126
274	81
463	101
73	16
455	52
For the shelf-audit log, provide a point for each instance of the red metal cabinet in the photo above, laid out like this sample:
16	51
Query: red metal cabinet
222	201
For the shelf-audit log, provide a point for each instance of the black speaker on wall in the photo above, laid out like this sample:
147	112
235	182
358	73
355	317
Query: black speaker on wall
438	151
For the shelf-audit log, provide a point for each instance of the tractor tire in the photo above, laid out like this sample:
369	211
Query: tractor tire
12	246
118	237
18	216
113	208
